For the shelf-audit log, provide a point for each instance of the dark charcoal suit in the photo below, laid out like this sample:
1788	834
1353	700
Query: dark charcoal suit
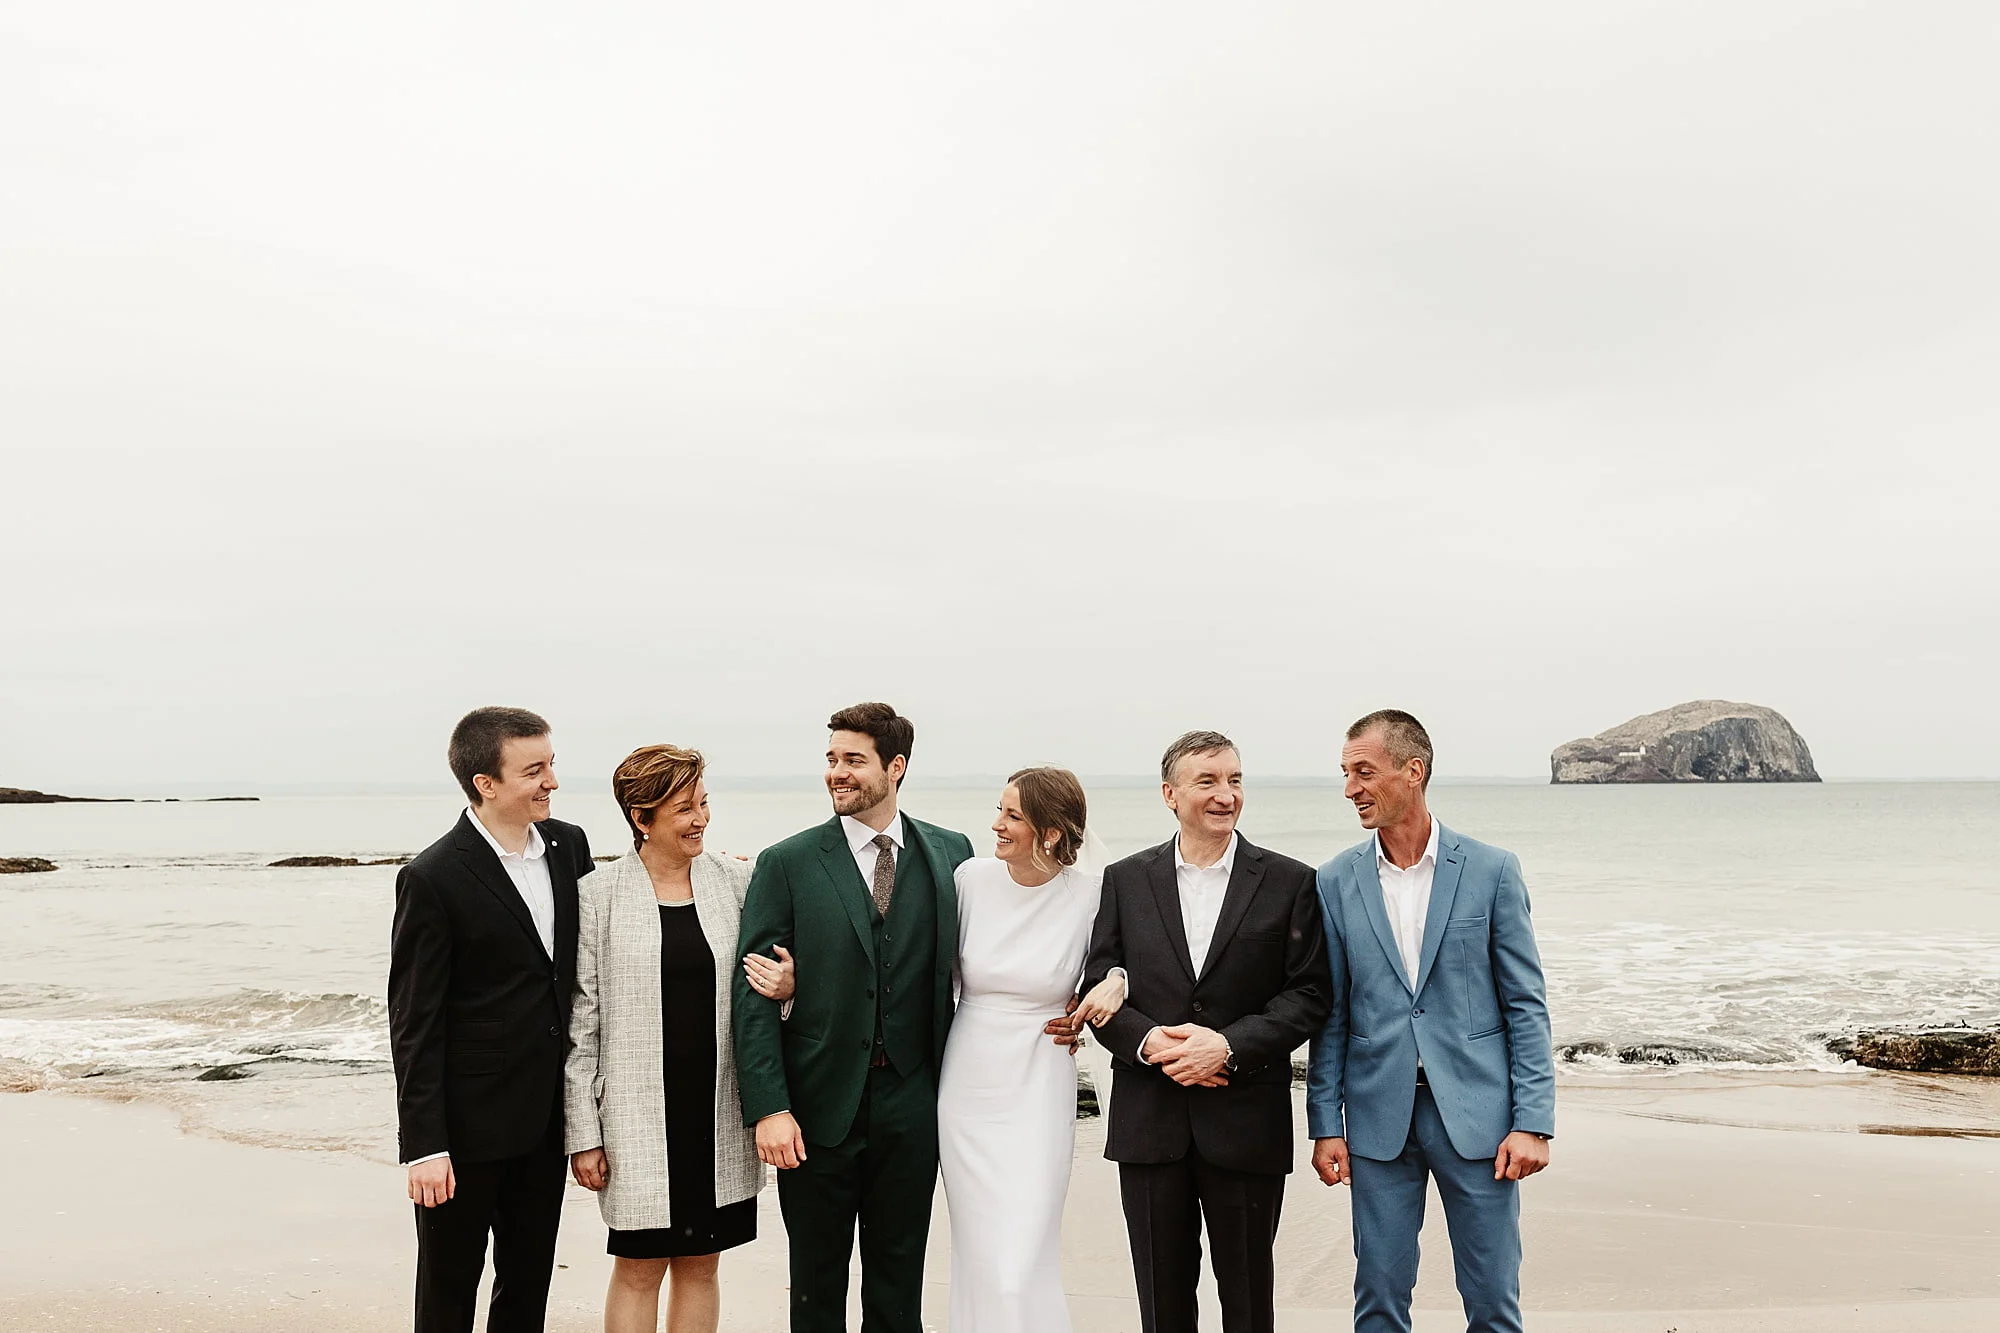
1223	1153
478	1024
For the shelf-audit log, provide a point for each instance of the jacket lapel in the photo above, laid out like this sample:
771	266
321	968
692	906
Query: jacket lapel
1243	881
836	861
635	916
945	882
713	907
485	867
1369	877
1167	896
1444	888
562	881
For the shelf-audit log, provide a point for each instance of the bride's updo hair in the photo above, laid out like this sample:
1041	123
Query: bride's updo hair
1053	803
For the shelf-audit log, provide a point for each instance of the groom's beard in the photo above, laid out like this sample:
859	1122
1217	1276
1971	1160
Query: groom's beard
862	797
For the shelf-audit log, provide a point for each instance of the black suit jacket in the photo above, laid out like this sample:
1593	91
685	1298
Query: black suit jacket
478	1013
1265	987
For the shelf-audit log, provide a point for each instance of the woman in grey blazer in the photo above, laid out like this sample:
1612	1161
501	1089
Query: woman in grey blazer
652	1115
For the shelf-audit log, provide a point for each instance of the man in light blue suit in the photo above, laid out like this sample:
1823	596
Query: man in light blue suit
1436	1061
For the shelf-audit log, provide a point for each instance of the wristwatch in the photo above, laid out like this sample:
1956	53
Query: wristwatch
1228	1057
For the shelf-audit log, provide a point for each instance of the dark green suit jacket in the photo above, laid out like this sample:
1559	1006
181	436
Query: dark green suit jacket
807	894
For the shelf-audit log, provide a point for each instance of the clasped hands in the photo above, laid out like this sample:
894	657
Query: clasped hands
1521	1155
1189	1054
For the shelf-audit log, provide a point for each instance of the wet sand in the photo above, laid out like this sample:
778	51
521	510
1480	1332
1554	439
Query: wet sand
1686	1203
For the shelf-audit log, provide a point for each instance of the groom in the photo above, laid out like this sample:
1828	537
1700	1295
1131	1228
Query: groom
1226	971
843	1090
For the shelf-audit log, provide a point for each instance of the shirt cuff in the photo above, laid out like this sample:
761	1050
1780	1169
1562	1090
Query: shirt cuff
421	1160
1142	1044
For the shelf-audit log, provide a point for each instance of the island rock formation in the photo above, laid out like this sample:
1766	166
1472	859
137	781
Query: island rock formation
26	865
1709	740
22	796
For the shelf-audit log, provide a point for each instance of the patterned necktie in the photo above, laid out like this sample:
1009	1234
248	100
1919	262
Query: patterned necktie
885	871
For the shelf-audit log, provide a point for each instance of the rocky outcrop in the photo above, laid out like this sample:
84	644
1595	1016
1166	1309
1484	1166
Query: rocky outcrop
1960	1050
316	862
22	796
1709	740
25	865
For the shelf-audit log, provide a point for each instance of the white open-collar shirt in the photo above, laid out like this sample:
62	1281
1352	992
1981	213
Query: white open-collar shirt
529	869
1406	893
1201	890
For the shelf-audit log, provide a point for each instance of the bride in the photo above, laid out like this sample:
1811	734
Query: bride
1006	1093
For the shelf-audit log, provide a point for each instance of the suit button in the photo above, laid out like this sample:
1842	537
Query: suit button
1197	1006
1418	1013
552	1031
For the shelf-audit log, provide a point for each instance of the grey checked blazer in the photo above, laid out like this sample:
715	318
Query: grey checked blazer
614	1094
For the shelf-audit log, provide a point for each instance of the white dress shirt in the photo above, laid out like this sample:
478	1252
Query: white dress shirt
1406	893
1202	888
530	872
1201	892
861	841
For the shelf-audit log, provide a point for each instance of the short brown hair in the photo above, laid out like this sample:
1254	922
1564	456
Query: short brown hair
1402	736
1052	800
479	737
1194	742
651	776
892	733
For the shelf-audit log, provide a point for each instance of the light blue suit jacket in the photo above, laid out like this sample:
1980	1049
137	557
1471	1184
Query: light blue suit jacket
1476	1012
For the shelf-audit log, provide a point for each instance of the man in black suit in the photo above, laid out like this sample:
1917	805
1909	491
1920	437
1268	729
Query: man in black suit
482	958
1226	971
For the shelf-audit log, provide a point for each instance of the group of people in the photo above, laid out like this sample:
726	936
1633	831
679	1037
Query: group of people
868	1004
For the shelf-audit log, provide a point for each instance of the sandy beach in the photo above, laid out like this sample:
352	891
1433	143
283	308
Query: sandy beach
1681	1204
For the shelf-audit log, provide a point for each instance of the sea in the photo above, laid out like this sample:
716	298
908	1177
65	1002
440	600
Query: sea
1682	928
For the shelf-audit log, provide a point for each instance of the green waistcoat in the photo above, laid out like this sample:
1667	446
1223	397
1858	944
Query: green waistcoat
906	957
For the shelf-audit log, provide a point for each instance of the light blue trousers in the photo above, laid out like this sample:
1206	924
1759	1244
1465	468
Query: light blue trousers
1482	1214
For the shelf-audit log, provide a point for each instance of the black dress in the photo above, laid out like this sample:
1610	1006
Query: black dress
687	1020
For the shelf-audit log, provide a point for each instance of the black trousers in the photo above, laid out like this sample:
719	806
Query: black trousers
518	1200
1165	1205
882	1175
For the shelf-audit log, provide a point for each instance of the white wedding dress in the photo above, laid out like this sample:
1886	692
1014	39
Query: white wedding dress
1007	1096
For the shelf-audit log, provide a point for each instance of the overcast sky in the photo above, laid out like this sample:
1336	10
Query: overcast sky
1068	375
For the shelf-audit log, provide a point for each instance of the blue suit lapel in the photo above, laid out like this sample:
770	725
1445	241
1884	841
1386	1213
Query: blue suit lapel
1444	888
1370	879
